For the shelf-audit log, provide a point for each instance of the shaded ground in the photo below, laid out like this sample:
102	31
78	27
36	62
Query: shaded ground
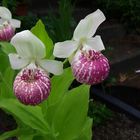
119	127
130	79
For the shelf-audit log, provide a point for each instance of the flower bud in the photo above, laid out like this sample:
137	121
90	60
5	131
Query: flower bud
90	67
6	32
32	86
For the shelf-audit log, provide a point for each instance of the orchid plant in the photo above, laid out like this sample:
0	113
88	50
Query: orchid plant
7	24
32	84
48	109
88	64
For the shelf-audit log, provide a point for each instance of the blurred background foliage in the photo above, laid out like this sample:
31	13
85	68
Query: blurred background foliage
60	18
127	11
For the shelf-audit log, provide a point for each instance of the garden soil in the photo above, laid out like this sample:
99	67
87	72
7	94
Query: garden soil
118	127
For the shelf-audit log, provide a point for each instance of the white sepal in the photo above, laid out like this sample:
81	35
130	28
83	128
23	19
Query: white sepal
97	17
88	26
52	66
5	13
83	29
65	49
15	23
17	62
28	45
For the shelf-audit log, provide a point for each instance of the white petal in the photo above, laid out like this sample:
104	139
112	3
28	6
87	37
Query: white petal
5	13
52	66
15	23
28	45
88	26
65	49
94	43
17	62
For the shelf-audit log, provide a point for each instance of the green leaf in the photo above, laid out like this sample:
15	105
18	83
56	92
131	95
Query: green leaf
6	85
60	85
40	138
57	92
4	61
7	47
71	113
40	31
86	133
29	115
9	134
26	137
50	111
21	133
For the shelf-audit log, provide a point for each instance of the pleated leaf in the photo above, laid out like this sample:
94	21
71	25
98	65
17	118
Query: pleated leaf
71	114
31	116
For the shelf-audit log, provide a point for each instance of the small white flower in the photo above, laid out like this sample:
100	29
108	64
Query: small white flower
30	50
6	16
7	24
82	37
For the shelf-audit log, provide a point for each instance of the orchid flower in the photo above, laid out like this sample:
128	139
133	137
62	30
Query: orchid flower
7	24
32	84
88	64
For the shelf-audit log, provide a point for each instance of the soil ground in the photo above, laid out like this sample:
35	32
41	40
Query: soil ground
118	127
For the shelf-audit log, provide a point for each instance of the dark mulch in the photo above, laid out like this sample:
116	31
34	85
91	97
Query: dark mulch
118	127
